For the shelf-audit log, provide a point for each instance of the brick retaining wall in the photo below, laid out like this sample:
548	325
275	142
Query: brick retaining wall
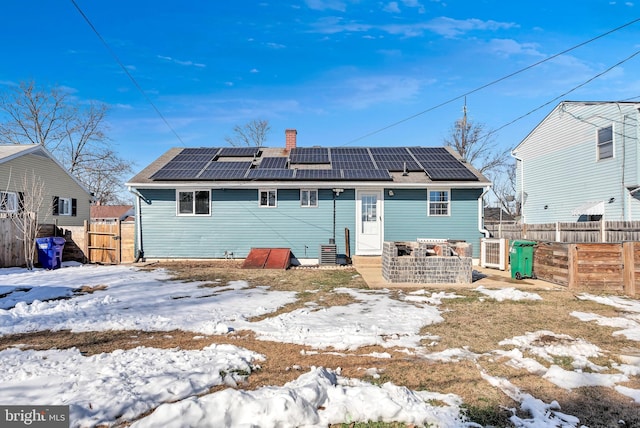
420	262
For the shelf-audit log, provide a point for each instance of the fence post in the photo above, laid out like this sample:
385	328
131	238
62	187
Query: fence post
603	231
87	243
629	268
572	271
558	237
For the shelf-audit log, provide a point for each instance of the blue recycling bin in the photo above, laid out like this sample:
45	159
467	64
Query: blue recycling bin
50	251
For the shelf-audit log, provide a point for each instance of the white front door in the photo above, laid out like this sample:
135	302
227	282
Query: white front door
369	222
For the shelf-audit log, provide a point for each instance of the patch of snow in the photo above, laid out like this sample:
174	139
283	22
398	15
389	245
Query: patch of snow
511	293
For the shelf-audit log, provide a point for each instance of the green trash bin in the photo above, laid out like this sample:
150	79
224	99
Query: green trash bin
521	259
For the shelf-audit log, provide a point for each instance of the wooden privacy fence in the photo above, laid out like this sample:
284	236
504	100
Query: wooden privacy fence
105	243
109	242
594	267
11	245
587	231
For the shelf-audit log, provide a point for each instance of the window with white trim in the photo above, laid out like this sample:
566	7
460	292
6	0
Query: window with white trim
439	201
268	198
193	202
8	202
308	198
605	142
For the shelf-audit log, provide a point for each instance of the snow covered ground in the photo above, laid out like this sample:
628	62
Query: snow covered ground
125	384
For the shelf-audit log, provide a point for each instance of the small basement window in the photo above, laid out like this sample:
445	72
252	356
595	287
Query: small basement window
194	202
268	198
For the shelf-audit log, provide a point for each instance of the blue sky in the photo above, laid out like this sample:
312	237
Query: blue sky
335	70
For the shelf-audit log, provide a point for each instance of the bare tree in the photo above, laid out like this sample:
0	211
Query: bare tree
75	134
25	218
253	133
504	189
470	140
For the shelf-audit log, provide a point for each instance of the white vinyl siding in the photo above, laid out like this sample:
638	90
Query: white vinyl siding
581	152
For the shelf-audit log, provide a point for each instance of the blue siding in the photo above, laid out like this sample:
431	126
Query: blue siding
237	224
406	217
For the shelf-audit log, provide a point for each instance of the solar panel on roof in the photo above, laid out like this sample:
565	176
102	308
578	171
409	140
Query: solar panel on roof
200	151
175	174
396	166
244	165
349	151
173	164
273	162
387	151
307	155
238	151
223	174
270	174
450	174
192	158
364	165
318	174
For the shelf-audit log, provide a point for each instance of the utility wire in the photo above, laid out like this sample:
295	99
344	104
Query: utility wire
636	53
135	83
493	82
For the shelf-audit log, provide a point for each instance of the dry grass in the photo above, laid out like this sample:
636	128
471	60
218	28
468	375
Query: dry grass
470	322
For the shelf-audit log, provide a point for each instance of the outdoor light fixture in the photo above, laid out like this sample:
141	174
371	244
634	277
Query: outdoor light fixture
612	200
546	207
391	193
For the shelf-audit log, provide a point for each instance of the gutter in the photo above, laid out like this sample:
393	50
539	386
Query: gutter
522	201
139	251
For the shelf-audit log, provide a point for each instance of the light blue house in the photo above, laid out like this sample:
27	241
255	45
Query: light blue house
221	202
582	162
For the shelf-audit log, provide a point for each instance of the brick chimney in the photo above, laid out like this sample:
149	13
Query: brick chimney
290	138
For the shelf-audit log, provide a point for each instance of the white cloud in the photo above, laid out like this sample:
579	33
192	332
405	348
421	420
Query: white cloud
508	47
447	27
273	45
365	92
254	70
414	4
450	27
326	5
181	62
392	7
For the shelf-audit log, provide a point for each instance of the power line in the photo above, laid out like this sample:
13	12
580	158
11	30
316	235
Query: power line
636	53
508	76
135	83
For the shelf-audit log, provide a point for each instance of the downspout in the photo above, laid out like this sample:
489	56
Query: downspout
139	252
522	201
481	228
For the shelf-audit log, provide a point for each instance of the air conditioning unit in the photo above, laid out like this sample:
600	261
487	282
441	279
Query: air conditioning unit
328	254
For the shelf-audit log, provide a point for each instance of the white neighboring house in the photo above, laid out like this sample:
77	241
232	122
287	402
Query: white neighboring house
581	163
66	200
